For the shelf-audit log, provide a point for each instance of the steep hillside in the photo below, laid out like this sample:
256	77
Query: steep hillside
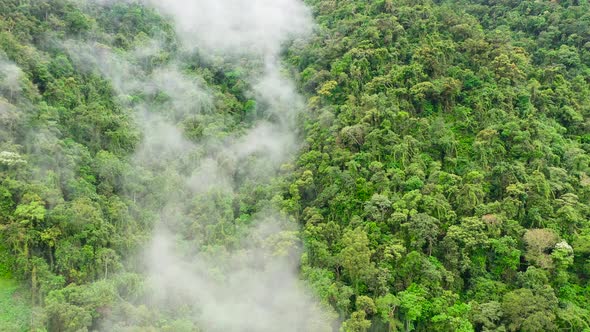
444	185
234	166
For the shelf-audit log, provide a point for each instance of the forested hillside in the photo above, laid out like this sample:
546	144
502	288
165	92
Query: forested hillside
427	170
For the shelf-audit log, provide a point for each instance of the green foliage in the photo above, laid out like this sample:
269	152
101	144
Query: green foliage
443	183
452	134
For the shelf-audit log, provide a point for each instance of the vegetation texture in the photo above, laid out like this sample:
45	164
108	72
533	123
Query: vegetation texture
443	183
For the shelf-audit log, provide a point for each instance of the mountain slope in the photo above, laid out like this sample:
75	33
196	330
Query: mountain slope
441	181
444	185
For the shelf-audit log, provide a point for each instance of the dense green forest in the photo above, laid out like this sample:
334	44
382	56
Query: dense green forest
441	179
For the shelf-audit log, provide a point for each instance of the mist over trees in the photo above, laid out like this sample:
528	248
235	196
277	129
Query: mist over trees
286	165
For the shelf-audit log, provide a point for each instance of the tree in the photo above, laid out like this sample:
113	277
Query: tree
378	208
356	323
106	258
530	310
487	316
471	193
387	306
538	242
421	229
413	305
366	304
355	256
454	318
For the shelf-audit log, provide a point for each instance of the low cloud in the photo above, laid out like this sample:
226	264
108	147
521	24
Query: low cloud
253	286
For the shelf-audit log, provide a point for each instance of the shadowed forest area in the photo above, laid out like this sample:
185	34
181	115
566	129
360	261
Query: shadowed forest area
325	165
